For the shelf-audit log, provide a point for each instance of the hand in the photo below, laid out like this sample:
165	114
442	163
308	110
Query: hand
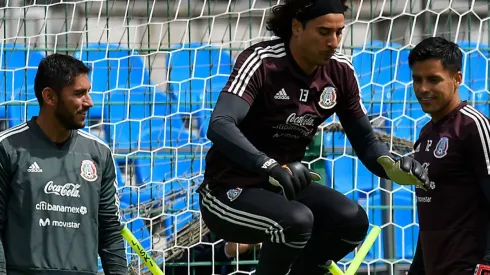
405	171
292	177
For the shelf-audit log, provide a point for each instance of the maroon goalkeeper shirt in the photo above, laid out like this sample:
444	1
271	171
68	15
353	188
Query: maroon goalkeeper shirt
453	212
286	106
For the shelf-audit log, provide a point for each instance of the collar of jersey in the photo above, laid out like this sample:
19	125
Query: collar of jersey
295	68
450	114
40	133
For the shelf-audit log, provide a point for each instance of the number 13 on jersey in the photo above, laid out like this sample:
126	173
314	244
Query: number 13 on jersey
304	95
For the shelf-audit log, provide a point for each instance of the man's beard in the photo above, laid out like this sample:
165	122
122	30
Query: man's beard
66	119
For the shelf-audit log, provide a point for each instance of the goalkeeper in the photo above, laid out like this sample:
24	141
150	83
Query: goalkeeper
454	148
58	199
255	187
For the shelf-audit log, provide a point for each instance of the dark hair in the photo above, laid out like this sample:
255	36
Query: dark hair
280	21
57	71
438	48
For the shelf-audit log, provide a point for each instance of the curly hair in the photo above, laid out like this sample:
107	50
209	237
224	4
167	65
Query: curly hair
280	21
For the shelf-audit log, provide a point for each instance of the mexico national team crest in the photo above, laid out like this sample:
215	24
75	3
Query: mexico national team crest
88	170
441	148
232	194
328	98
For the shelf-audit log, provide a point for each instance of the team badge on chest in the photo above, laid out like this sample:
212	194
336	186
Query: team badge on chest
328	98
88	170
441	148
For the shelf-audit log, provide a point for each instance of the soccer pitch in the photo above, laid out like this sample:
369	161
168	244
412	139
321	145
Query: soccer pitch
157	67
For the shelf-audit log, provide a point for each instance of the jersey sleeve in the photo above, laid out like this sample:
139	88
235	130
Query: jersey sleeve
4	193
246	78
478	144
111	244
350	105
227	137
367	147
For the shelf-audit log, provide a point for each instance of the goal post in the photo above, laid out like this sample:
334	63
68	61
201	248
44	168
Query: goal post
157	67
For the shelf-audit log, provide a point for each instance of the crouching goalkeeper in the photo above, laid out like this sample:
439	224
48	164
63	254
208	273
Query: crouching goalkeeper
256	189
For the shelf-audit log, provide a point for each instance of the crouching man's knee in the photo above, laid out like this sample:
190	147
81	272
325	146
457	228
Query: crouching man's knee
356	224
298	226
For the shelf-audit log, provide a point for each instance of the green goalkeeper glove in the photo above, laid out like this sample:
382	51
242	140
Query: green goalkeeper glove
405	171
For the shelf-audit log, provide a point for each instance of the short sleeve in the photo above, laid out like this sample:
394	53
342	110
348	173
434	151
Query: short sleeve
245	80
350	105
478	143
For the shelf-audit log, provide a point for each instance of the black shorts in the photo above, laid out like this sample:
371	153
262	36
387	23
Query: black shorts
255	214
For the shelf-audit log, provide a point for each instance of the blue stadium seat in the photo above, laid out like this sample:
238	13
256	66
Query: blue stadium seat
404	216
165	169
182	209
336	143
177	160
386	69
363	65
135	195
142	195
198	73
340	174
376	68
18	68
348	174
475	75
122	91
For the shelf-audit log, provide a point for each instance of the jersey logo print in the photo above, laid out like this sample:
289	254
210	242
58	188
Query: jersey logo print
232	194
281	95
88	170
34	168
417	149
45	222
328	98
441	148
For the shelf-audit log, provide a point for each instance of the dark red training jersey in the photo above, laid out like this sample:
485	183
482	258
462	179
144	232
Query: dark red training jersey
286	106
453	212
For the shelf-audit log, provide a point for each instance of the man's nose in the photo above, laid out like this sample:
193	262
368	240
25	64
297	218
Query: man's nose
332	40
89	102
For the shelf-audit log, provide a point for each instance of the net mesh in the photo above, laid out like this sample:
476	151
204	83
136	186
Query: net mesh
157	69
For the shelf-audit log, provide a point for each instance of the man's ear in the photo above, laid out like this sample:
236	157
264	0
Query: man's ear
458	79
50	97
296	27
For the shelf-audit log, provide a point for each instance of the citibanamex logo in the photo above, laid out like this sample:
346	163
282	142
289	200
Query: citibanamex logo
66	190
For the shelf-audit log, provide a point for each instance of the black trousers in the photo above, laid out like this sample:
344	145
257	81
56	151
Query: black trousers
297	236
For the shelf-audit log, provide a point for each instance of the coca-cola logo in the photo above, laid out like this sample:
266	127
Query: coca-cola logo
307	120
65	190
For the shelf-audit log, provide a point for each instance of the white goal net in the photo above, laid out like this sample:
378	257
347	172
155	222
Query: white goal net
157	69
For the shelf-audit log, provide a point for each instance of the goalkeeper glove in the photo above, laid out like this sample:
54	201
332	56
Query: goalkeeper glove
405	171
292	178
